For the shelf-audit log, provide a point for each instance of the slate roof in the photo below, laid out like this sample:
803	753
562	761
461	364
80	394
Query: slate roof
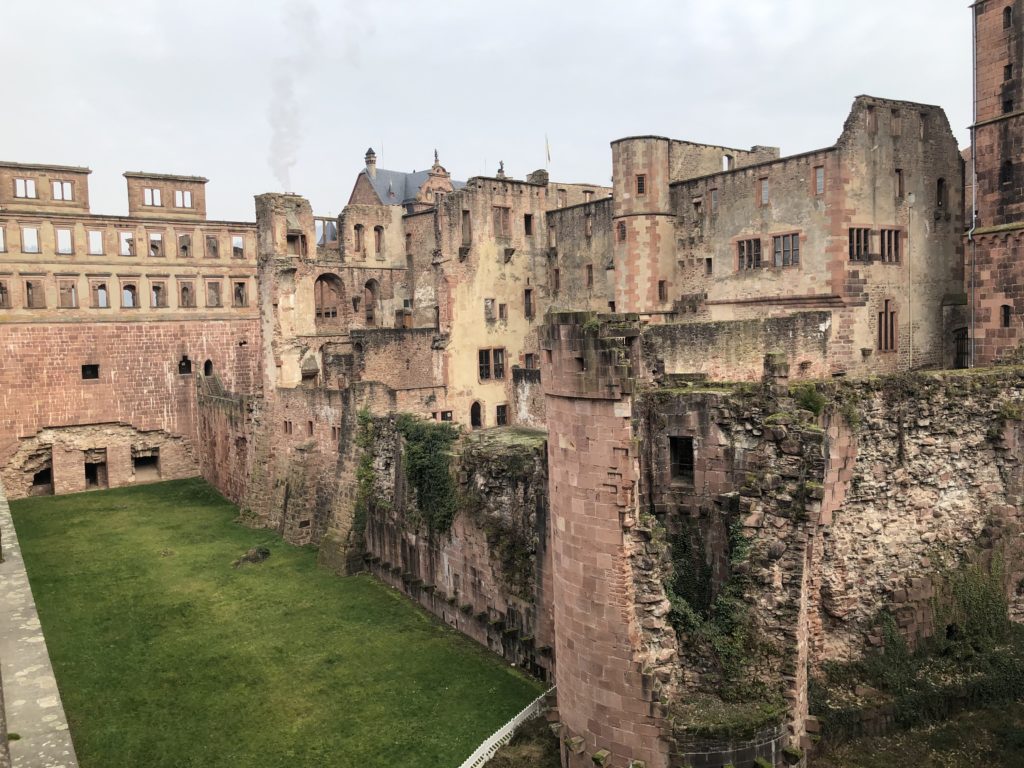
398	187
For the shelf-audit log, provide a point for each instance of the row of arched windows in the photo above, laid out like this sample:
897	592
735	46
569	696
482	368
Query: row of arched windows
328	294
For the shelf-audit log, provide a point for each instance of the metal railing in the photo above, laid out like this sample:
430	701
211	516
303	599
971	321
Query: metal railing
503	735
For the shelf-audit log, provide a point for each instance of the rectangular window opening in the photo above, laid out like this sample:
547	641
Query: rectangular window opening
682	459
91	371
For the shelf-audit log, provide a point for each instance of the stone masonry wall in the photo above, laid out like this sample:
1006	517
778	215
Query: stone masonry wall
488	575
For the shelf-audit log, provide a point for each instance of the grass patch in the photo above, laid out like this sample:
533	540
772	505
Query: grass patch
166	655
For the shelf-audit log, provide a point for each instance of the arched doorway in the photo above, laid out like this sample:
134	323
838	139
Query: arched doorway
476	419
208	368
371	295
327	297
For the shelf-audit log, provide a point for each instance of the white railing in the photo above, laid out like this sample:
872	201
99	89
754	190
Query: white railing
503	735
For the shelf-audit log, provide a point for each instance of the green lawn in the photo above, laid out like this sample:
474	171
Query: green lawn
166	655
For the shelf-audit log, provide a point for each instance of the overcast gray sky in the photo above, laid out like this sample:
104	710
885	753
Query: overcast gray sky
260	95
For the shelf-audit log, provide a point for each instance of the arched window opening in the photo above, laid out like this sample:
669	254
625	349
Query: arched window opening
188	298
327	299
1007	17
208	368
1005	314
475	418
100	296
1006	172
941	194
378	240
157	296
129	296
371	293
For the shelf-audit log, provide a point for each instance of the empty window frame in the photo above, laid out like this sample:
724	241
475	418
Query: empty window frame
67	294
186	294
502	221
288	427
708	266
185	246
900	188
182	198
588	195
296	243
1007	106
530	360
213	298
748	254
889	240
941	194
156	244
1008	72
95	242
887	327
1008	17
819	180
326	231
556	280
5	295
501	415
528	224
237	247
64	241
528	303
129	296
212	247
378	240
100	295
491	363
158	294
860	244
563	198
763	192
63	191
1005	315
503	312
408	243
239	294
1006	172
662	290
641	184
681	459
467	228
35	297
126	242
151	197
357	232
30	240
590	275
90	371
446	416
552	235
25	188
786	250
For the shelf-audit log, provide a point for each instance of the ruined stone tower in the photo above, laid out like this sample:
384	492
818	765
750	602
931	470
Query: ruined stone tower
994	244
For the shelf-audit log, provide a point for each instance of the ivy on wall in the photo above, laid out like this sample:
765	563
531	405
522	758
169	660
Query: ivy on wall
426	456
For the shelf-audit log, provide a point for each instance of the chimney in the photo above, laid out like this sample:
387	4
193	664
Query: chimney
371	163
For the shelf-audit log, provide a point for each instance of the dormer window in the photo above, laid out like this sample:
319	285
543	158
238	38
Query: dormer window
151	197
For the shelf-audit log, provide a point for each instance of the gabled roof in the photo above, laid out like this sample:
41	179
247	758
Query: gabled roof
398	187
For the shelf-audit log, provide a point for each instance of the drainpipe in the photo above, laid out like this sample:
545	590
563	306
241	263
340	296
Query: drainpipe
974	186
